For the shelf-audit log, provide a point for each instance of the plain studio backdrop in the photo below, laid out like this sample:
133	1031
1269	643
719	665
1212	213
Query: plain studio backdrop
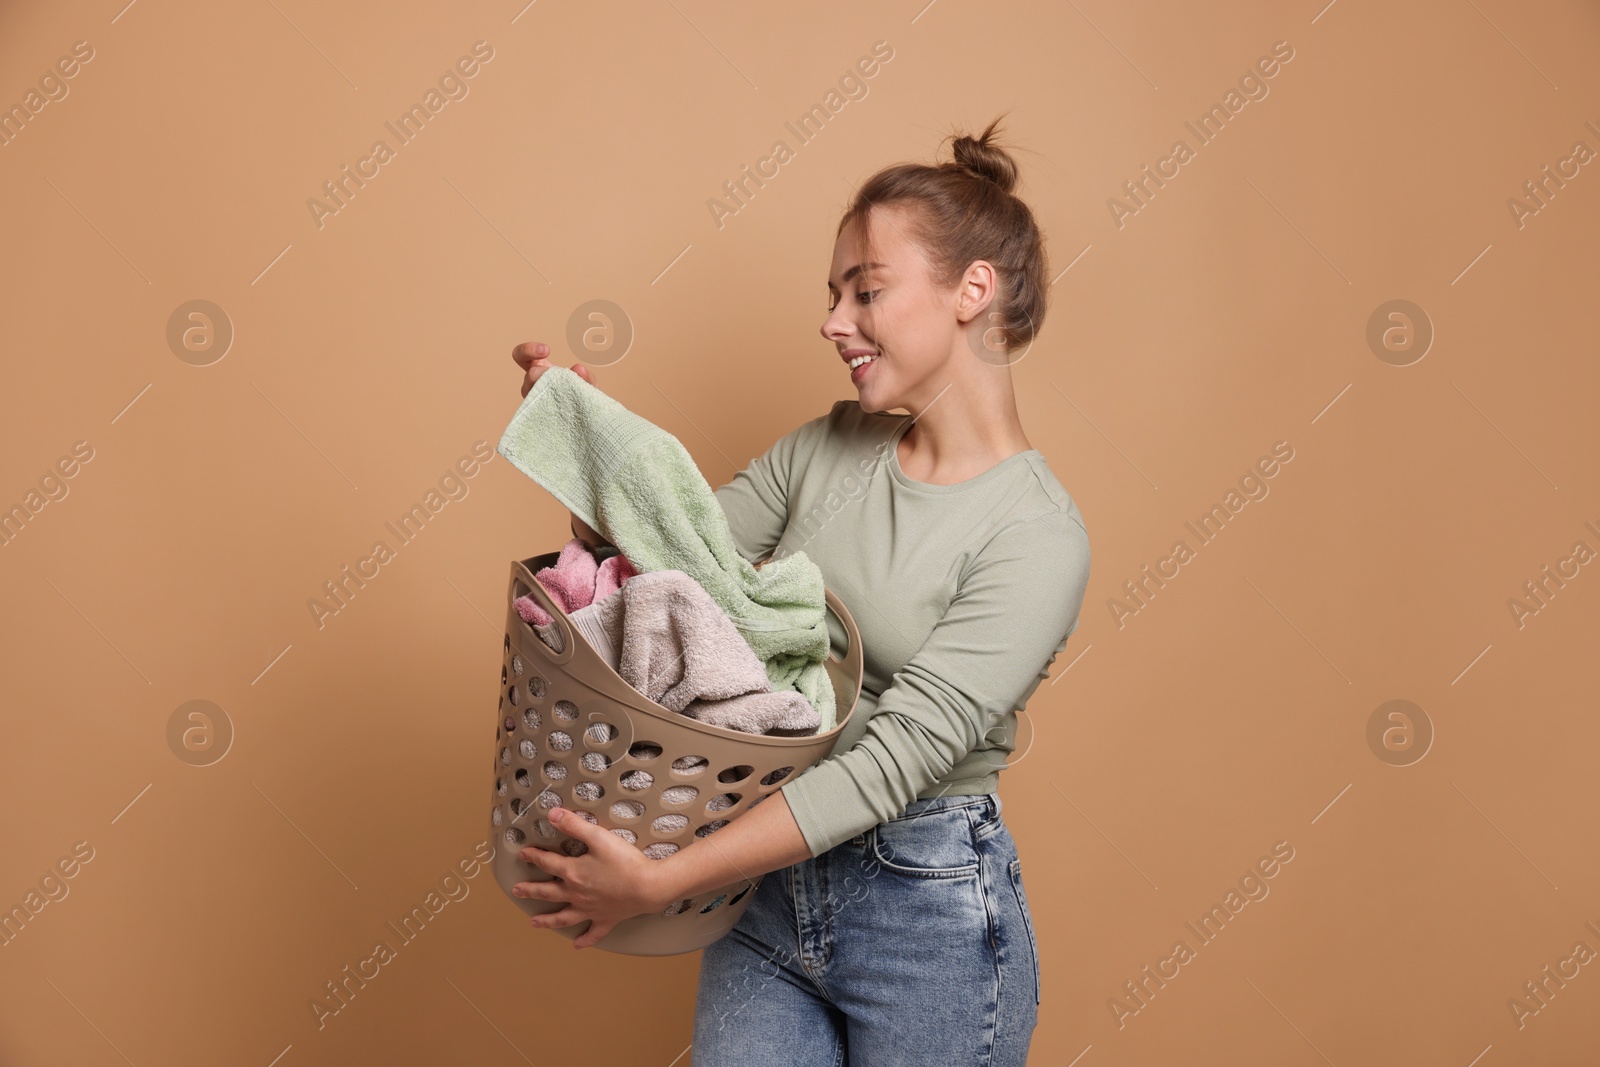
242	341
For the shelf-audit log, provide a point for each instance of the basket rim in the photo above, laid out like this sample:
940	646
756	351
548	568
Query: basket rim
850	665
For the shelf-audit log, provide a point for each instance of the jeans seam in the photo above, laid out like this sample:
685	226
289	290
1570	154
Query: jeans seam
992	922
1014	870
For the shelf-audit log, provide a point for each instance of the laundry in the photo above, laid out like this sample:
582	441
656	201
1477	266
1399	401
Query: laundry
577	579
639	488
667	638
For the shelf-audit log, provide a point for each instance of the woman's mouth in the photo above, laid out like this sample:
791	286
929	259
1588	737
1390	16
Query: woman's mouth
859	366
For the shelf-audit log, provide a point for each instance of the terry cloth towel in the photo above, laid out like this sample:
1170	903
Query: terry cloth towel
639	488
575	581
668	639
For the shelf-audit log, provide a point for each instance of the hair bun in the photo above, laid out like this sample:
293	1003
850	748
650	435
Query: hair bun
984	159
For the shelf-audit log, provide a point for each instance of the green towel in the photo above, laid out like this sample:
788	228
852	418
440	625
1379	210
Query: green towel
638	486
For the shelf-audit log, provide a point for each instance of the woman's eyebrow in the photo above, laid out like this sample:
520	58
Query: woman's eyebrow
853	271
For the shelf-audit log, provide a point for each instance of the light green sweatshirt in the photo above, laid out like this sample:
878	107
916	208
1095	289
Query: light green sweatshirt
963	594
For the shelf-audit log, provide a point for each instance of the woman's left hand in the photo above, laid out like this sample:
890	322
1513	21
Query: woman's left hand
611	882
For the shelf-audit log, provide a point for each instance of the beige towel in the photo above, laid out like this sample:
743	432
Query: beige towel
668	639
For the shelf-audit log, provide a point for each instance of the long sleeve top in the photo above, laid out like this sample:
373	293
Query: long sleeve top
963	596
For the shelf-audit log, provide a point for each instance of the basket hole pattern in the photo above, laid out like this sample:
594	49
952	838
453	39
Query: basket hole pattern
521	688
679	794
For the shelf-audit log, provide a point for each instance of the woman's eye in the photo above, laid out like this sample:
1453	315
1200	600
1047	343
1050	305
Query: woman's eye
873	293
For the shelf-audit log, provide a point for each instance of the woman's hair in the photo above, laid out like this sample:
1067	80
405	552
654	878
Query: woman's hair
964	210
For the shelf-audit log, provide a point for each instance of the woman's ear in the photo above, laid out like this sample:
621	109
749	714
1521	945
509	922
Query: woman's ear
977	290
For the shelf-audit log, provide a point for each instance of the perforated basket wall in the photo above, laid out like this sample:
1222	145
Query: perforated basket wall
570	731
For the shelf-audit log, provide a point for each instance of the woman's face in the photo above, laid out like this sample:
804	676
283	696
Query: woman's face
890	309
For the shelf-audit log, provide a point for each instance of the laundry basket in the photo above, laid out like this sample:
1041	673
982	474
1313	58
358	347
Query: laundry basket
569	729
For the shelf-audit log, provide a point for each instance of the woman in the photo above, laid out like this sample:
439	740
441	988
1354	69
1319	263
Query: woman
893	927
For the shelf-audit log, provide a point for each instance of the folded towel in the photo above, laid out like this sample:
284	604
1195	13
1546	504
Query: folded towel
637	485
668	639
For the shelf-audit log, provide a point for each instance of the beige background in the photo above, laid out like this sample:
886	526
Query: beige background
1169	751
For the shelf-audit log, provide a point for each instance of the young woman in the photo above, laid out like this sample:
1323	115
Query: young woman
892	925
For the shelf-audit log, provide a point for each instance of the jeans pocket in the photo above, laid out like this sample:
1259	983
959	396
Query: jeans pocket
1015	868
934	844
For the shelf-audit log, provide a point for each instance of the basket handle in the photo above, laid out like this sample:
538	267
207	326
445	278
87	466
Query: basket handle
851	661
522	576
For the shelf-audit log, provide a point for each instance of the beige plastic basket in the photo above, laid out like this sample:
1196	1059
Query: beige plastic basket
568	731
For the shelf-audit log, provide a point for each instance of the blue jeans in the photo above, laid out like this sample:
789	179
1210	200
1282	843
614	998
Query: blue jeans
909	944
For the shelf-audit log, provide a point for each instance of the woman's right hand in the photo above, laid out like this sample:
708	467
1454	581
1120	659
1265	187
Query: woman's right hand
534	358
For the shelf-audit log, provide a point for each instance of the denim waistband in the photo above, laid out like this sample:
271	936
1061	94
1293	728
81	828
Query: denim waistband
987	803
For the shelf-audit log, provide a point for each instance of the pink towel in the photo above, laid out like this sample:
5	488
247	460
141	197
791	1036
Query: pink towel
575	581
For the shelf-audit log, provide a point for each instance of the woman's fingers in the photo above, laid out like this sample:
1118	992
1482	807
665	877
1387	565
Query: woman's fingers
595	932
546	860
534	358
589	833
528	351
552	890
564	917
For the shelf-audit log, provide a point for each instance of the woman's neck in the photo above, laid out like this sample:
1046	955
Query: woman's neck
966	428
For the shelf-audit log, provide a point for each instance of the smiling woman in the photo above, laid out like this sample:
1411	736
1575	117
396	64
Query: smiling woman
963	562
